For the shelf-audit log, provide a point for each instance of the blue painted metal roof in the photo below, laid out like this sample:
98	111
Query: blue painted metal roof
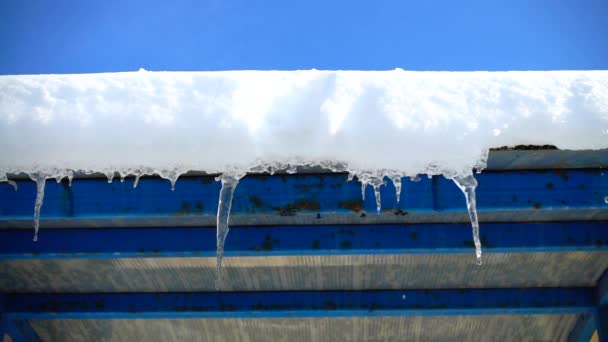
307	258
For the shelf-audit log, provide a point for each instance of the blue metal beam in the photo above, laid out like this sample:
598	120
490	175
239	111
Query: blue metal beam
304	240
301	303
21	331
602	290
583	330
293	195
601	319
601	314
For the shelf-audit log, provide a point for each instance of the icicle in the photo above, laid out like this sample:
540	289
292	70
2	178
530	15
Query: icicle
292	169
16	187
350	177
605	198
397	182
416	178
137	177
363	187
110	176
172	176
70	175
229	184
377	183
40	183
468	184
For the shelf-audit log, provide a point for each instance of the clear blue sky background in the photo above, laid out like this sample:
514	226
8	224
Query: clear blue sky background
59	36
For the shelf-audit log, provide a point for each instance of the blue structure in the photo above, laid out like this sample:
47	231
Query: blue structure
305	248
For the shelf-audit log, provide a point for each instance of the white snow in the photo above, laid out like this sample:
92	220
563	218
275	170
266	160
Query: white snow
370	123
408	122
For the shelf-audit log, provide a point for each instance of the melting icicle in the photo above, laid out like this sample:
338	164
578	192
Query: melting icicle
173	181
173	176
292	169
397	182
350	177
363	187
229	183
40	183
110	176
70	178
137	177
63	174
16	187
377	183
468	184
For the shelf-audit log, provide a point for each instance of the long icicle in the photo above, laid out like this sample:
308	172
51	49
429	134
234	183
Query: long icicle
40	183
229	184
468	184
376	184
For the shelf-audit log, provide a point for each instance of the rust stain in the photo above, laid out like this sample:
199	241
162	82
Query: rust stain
256	201
184	210
355	206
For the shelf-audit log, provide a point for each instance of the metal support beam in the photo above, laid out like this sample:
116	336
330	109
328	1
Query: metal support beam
21	331
301	303
304	240
584	328
308	199
601	313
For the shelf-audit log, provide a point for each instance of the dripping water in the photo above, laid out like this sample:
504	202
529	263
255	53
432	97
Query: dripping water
40	183
229	184
468	184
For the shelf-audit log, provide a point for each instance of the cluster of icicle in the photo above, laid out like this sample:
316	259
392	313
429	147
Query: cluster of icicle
230	179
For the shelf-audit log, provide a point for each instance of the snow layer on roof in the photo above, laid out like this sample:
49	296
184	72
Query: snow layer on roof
369	121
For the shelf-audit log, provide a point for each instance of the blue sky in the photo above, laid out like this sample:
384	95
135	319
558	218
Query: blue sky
59	36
